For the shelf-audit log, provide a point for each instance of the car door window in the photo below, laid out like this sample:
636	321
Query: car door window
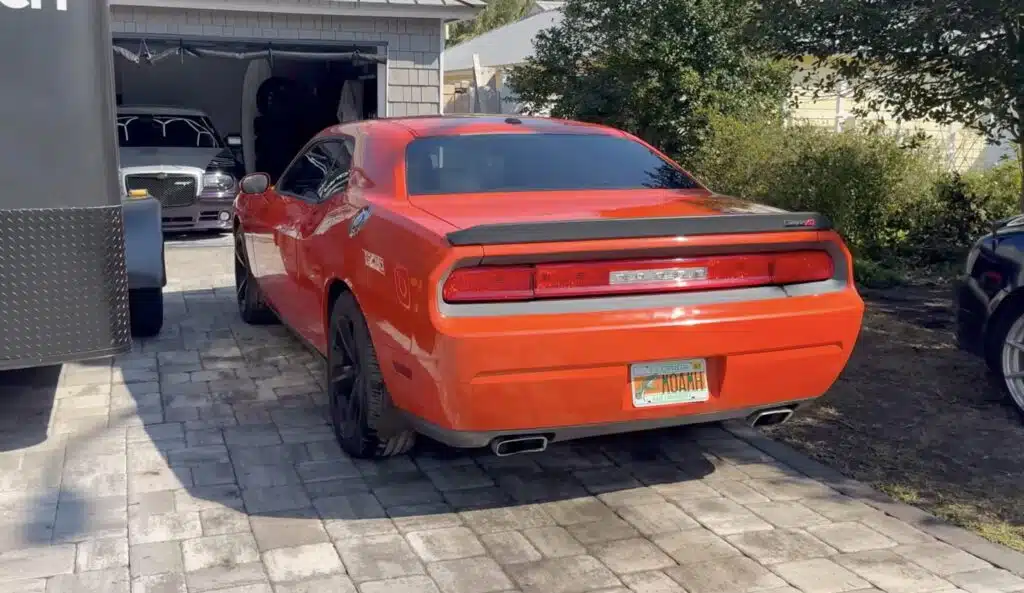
337	180
307	174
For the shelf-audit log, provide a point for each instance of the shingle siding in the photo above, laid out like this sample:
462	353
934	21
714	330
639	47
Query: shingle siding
414	45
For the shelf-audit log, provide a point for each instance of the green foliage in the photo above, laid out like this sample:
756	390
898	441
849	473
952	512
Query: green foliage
899	210
944	60
658	69
498	13
865	181
997	187
876	275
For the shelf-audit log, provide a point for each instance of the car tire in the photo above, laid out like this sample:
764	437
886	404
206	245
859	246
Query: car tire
365	422
146	311
251	305
1001	353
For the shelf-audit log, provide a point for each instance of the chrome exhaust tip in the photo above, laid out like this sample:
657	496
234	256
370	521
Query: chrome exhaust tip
505	446
770	417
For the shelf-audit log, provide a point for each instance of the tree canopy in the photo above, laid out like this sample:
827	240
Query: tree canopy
498	13
656	68
945	60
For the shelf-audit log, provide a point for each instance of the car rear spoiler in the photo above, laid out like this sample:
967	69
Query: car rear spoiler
636	228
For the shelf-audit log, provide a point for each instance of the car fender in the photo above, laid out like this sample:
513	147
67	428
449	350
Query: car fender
144	243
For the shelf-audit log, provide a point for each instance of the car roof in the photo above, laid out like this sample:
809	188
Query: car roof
454	125
168	110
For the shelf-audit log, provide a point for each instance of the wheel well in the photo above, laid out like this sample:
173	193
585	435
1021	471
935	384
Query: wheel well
1011	305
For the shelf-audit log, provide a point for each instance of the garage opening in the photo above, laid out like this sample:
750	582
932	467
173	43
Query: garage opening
269	98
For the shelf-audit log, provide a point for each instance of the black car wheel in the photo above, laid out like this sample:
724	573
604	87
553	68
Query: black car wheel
146	311
251	306
365	422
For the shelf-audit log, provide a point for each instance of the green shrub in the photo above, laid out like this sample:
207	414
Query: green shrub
891	199
875	275
998	188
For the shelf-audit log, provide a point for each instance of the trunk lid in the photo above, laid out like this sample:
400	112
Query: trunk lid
468	210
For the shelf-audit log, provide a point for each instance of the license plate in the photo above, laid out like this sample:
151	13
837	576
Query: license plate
669	382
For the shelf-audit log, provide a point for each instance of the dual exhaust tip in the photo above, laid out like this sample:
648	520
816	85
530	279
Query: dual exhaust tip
769	417
536	443
531	443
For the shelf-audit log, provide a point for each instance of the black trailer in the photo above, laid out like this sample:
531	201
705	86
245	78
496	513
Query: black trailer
64	275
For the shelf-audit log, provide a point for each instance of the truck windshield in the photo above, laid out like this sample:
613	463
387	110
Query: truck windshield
163	131
486	163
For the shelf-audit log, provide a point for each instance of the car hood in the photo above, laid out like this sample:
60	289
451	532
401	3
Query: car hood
467	210
199	158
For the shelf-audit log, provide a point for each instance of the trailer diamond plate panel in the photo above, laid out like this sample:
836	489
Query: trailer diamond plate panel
63	285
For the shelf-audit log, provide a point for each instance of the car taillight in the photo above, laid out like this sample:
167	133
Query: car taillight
606	278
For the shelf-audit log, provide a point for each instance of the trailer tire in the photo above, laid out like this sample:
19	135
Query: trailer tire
146	311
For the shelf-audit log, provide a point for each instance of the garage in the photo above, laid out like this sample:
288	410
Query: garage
260	77
273	96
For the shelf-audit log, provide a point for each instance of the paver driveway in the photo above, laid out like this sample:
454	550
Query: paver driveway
202	462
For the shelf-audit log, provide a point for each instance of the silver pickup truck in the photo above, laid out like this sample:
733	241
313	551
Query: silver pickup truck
177	155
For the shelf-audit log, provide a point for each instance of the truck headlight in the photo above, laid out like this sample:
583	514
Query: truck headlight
219	182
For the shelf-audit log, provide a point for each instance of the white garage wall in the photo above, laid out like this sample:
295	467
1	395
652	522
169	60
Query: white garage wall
414	46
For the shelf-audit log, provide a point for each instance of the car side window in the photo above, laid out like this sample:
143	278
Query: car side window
337	180
307	174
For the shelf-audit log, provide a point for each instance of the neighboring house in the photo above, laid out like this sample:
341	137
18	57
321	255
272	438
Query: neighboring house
496	51
484	90
540	6
405	40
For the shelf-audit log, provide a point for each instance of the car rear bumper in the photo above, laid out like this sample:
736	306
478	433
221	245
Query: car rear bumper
204	215
486	378
469	439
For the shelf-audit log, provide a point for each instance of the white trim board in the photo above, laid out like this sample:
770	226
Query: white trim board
364	9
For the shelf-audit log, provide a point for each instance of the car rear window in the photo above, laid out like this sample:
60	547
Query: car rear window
486	163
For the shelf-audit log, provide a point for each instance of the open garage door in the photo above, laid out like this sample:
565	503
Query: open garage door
273	96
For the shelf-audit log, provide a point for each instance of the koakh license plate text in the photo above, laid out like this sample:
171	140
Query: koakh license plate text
674	382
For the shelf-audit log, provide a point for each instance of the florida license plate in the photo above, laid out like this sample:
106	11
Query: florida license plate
669	382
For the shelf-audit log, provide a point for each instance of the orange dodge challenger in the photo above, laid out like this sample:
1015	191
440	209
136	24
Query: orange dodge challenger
517	281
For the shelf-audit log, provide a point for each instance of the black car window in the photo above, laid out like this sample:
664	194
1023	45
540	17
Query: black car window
486	163
307	174
336	181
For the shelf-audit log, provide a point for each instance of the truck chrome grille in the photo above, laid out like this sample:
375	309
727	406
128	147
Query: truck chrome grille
172	190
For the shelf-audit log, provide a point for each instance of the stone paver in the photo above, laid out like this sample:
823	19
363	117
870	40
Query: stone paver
203	461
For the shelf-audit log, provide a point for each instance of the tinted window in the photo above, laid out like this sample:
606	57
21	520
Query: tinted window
337	180
305	176
535	162
135	131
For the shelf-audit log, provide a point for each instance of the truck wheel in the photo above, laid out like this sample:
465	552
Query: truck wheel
366	423
251	306
146	311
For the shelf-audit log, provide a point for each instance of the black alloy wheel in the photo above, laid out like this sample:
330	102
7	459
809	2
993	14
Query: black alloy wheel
365	423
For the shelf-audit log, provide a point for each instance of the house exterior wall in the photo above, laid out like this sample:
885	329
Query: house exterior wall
414	45
961	147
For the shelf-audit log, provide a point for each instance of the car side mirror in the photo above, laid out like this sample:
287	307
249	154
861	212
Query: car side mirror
256	183
234	140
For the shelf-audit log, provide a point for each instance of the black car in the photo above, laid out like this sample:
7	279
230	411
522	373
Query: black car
989	304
